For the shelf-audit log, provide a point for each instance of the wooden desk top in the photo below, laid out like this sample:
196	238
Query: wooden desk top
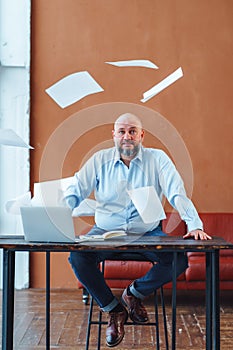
127	243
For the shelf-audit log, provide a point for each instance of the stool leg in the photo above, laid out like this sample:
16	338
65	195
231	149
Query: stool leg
164	318
156	319
100	316
89	323
99	330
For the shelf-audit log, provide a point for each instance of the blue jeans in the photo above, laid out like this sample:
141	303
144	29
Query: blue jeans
85	266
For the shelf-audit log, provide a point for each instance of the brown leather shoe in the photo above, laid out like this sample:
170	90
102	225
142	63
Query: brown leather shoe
115	329
137	311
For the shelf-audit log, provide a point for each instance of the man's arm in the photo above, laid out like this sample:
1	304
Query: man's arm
82	185
173	188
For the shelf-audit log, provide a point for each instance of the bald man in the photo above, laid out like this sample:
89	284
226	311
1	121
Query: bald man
110	173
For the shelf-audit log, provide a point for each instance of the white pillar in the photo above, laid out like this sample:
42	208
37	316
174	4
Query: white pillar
14	114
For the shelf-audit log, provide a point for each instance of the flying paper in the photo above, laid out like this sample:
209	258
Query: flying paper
147	203
9	138
73	88
13	206
134	63
162	85
50	193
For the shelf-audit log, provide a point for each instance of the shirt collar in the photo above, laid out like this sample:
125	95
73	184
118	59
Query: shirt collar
118	159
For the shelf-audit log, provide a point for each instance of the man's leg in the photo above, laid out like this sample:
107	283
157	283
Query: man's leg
85	266
159	274
161	271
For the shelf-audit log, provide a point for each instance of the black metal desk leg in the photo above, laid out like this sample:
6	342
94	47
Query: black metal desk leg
8	299
215	300
208	301
47	300
174	301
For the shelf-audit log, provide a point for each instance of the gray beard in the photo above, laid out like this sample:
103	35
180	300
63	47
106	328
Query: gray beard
129	152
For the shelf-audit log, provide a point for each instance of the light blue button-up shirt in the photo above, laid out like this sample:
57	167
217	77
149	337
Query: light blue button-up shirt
109	178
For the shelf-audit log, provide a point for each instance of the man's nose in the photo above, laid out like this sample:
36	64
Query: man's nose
127	136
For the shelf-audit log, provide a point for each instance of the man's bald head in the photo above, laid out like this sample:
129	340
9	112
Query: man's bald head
128	119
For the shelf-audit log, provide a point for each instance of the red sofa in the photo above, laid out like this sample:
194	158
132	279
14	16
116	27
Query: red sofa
119	274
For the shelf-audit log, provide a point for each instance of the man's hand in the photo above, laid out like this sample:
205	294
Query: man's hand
197	234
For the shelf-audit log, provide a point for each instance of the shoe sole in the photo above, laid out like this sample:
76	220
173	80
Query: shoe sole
117	342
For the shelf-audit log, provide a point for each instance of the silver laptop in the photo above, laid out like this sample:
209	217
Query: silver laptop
48	224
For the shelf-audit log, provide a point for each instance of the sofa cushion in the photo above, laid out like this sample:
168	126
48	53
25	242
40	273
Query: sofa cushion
197	268
126	269
218	224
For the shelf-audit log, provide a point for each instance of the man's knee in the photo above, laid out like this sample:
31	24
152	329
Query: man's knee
78	259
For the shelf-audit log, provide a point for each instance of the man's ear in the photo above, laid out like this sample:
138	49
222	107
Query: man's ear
142	134
113	133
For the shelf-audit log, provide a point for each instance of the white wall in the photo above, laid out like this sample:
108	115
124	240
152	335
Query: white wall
14	114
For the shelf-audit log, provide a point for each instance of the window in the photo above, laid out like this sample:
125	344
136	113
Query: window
14	114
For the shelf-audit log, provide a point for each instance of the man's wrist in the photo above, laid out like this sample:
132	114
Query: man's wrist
71	201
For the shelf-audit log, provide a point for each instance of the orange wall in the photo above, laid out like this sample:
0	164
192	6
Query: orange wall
71	36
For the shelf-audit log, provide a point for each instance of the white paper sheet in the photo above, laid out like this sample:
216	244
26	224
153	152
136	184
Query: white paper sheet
73	88
134	63
13	206
148	204
9	138
162	85
50	193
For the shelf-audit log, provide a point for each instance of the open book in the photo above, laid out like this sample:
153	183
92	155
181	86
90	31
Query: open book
106	235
